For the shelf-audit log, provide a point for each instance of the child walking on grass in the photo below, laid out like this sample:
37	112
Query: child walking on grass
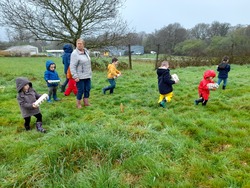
112	74
203	88
165	83
223	69
26	98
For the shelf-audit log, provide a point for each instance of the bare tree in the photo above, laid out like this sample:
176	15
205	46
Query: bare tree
200	31
219	29
133	38
64	20
169	36
19	36
150	43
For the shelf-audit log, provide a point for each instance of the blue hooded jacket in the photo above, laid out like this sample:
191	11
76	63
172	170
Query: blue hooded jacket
66	56
50	74
164	81
223	72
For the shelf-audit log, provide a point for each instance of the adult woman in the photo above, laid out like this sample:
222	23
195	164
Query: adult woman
80	66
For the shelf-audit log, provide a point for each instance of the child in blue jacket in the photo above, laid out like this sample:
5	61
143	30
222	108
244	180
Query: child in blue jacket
68	49
52	79
223	69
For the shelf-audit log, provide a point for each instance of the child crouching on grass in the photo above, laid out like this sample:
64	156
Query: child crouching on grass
26	98
165	83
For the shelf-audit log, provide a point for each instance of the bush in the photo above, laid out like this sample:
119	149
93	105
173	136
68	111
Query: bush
102	64
5	54
178	62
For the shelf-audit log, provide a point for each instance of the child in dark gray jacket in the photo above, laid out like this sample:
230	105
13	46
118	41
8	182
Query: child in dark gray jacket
223	69
26	98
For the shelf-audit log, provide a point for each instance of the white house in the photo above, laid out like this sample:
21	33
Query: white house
24	50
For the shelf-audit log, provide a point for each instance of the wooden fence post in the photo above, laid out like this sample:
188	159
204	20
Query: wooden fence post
129	56
157	55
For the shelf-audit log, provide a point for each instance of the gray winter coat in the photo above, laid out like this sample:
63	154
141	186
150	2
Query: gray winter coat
26	99
80	64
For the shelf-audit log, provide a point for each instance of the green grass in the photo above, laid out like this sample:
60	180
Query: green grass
144	146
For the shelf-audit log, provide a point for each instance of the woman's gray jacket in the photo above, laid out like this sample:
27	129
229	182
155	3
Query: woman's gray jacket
80	64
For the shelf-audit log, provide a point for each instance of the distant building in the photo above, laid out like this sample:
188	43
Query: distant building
123	50
25	50
137	50
54	53
94	53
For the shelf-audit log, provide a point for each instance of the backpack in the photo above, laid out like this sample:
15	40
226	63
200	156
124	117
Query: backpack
222	65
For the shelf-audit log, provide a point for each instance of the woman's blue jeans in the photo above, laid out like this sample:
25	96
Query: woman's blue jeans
83	86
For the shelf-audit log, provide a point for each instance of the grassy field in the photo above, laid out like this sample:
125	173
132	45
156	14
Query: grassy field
145	146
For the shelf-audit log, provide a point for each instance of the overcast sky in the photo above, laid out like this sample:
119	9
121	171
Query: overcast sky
151	15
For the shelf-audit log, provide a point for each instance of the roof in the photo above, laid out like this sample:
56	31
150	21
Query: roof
54	51
22	48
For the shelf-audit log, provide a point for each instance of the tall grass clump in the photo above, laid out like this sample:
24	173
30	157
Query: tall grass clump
142	145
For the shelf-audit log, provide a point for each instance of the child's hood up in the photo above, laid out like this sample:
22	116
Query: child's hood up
67	48
48	63
21	82
209	73
162	70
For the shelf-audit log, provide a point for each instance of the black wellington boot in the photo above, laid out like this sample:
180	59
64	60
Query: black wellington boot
62	88
204	103
39	127
196	102
27	128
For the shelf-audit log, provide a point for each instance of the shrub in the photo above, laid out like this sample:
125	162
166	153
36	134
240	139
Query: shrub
5	54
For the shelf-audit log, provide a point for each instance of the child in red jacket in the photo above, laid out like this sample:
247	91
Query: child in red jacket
203	88
71	84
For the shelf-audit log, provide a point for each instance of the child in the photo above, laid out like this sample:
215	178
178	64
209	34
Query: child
112	74
67	48
165	84
223	69
71	84
51	75
26	98
203	89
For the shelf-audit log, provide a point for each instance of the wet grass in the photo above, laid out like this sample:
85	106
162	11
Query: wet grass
144	146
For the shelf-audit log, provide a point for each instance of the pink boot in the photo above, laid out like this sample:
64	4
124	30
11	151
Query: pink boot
86	102
78	104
